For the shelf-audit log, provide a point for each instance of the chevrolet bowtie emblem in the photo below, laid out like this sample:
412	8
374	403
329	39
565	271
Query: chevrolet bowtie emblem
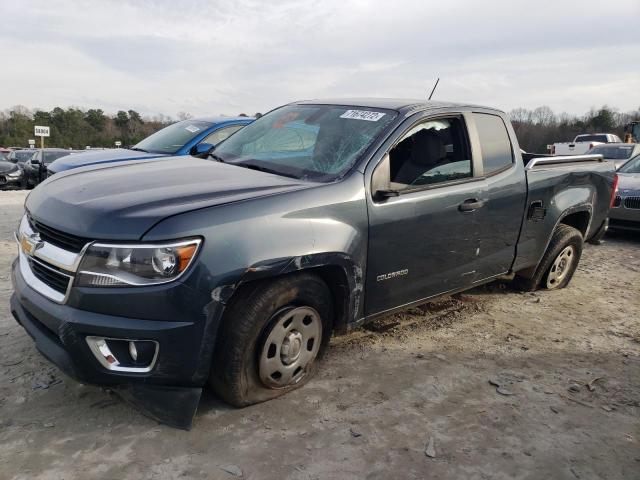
30	243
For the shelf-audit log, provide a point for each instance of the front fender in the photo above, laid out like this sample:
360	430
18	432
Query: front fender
347	285
318	227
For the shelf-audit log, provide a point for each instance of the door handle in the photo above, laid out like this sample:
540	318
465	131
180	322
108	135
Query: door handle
471	204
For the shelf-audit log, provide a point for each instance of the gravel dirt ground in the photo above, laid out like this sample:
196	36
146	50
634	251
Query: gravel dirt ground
490	384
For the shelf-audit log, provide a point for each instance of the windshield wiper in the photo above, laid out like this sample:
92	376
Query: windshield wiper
260	168
217	158
138	149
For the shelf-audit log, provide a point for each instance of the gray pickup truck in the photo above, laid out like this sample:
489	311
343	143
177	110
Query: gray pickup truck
234	271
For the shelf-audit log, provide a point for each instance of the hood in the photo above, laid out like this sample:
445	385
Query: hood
122	202
628	183
8	167
97	157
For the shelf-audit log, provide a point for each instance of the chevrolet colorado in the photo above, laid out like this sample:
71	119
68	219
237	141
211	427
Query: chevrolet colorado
158	278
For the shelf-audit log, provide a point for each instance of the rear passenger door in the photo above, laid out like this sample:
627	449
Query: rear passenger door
500	220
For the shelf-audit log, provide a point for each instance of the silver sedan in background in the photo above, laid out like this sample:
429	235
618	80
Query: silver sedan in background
618	153
625	213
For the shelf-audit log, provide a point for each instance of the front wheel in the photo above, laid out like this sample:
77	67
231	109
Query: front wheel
271	339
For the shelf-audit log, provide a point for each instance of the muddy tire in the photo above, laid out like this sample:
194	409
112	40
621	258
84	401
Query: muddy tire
558	264
272	338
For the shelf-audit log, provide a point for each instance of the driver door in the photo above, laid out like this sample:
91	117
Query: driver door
423	231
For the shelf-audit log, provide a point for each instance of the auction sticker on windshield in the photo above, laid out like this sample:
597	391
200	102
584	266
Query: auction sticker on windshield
363	115
192	128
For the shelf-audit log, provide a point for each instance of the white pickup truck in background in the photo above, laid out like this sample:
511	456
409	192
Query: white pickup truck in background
582	143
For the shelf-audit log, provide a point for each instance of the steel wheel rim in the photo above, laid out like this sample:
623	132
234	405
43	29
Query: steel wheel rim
561	267
290	347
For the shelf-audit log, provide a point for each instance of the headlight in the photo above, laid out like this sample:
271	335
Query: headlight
111	265
15	174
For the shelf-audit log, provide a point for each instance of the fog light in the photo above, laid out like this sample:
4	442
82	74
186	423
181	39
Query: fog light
133	351
106	353
124	355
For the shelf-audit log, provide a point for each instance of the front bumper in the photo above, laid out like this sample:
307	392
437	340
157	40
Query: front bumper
182	364
630	225
7	181
624	218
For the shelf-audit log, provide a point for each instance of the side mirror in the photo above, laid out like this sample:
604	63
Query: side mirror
35	161
201	149
380	183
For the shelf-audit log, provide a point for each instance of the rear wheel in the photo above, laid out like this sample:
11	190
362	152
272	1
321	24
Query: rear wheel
272	338
559	262
562	268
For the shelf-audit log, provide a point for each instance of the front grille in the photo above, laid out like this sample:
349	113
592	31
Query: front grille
56	237
617	201
51	277
632	202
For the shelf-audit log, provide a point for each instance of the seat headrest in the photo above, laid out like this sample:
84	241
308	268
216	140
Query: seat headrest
427	148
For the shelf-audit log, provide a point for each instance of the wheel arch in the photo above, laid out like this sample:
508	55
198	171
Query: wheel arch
577	216
344	278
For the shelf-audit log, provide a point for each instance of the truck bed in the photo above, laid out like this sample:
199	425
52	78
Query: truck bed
579	186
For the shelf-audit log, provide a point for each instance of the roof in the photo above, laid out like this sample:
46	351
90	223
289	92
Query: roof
615	144
399	104
601	133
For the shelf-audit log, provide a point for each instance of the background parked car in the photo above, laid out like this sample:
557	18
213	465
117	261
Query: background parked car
19	157
4	153
625	214
11	168
189	137
10	174
618	153
582	143
35	168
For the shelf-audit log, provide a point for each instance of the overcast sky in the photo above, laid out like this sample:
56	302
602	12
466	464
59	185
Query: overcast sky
232	56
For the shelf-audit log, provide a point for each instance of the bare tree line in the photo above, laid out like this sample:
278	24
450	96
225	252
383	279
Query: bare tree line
75	127
542	126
